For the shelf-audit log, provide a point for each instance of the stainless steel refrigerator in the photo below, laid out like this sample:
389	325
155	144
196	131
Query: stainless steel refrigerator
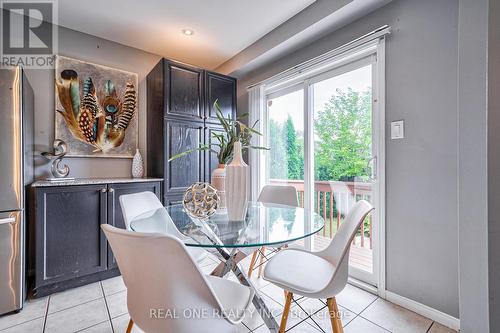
16	173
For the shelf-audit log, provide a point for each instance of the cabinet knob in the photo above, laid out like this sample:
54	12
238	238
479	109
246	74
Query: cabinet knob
103	190
111	190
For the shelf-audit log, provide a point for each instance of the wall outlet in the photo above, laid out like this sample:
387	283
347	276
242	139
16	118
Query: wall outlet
397	130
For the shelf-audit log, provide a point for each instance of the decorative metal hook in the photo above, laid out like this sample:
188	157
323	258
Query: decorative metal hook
60	149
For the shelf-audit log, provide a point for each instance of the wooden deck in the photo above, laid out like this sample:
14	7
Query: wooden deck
360	257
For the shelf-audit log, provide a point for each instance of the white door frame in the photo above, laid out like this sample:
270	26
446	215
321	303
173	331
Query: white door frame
378	125
379	107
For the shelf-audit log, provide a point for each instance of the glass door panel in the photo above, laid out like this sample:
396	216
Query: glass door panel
285	137
343	159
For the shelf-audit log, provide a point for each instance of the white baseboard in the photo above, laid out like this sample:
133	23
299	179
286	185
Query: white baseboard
424	310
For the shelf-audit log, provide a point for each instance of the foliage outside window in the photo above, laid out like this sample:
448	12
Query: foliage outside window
342	141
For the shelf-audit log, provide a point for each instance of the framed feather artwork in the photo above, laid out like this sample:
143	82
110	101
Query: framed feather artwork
96	109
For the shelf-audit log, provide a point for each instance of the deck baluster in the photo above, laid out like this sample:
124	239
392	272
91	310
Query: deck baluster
331	213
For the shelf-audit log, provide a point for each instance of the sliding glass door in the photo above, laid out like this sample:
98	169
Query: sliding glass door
324	137
344	157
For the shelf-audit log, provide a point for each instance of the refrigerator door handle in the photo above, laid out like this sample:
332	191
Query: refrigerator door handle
8	220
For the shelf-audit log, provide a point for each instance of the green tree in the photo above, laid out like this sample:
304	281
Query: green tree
277	161
294	157
343	136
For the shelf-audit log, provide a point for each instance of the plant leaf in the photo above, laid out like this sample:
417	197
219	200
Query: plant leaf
258	147
189	151
243	116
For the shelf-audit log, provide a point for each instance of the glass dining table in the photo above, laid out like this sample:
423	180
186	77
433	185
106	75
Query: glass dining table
231	241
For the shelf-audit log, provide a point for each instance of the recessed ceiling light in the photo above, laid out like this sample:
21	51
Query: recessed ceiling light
188	32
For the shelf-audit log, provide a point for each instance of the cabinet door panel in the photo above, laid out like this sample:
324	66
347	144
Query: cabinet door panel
185	91
173	199
223	89
69	240
184	171
211	160
115	216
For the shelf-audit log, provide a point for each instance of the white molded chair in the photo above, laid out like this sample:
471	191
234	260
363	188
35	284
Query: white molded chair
136	204
163	282
320	275
279	194
276	194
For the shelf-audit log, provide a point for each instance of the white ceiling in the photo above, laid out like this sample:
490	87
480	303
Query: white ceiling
222	27
316	21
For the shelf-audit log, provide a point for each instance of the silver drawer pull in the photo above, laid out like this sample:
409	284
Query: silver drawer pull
7	220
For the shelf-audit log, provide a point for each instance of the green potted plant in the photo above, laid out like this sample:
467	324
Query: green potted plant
223	145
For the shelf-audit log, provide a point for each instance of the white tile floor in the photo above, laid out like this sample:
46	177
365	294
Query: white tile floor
102	307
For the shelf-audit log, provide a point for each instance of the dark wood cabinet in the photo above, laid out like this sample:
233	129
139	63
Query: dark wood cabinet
69	241
70	248
181	117
182	172
221	88
174	199
211	157
185	91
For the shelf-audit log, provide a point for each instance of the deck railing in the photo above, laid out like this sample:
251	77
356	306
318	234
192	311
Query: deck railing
332	200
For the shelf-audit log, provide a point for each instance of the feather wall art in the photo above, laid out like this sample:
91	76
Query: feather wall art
96	109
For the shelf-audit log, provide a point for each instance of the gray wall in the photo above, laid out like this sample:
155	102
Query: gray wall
473	182
421	170
100	51
494	164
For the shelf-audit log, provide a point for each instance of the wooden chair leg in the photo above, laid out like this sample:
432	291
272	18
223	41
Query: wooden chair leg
286	312
252	263
334	315
130	325
261	263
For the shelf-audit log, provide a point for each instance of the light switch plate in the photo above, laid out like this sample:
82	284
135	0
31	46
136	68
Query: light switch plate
397	130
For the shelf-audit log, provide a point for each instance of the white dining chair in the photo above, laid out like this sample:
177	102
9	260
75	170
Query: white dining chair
320	275
275	194
136	204
166	291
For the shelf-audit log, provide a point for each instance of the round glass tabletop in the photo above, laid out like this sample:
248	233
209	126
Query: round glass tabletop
264	224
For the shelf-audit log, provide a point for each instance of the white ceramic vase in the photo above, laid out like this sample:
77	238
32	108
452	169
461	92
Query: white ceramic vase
137	165
237	186
219	183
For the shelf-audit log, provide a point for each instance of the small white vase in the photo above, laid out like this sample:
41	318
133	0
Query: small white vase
237	186
137	165
219	183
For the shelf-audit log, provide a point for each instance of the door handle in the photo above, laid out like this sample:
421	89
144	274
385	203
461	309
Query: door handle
8	220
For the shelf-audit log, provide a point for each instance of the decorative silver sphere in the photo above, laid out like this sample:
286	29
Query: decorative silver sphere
201	200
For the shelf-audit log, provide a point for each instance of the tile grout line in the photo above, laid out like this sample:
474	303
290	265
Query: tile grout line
46	315
93	325
368	320
74	306
429	329
366	307
359	315
21	323
107	308
114	293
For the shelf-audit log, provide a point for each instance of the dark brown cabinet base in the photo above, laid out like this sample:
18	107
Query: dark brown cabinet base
70	248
